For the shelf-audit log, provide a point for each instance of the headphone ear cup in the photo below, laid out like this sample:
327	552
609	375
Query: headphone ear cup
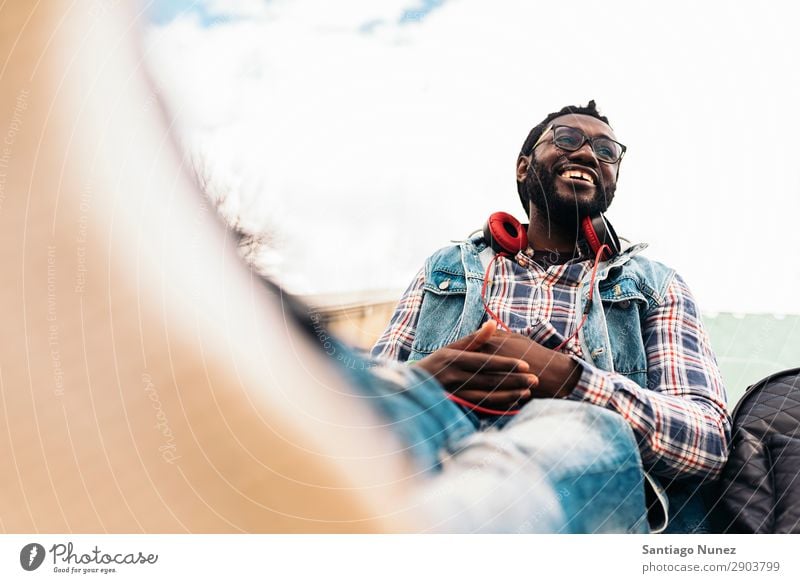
505	234
598	232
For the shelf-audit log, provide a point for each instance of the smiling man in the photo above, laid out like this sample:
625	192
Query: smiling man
586	353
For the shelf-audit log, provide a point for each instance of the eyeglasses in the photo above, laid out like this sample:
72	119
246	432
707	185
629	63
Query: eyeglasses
572	139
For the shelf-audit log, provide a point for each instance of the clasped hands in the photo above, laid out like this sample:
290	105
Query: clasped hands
501	370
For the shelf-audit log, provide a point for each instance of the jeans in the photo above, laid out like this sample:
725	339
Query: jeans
557	466
689	508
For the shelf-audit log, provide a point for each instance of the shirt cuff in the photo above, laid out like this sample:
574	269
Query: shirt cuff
593	385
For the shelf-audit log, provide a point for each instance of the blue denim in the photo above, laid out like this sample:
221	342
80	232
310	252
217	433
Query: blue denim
690	512
627	285
557	466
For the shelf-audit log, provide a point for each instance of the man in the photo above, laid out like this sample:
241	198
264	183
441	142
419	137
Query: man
621	334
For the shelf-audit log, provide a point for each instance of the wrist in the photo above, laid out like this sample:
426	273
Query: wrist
560	375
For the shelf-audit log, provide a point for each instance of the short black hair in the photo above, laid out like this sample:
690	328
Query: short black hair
536	133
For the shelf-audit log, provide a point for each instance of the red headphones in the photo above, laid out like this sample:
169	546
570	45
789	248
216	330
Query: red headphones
507	235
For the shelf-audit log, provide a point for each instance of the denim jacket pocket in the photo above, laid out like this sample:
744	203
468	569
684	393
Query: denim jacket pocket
445	282
625	307
443	306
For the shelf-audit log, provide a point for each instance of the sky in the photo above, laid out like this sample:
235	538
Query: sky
367	134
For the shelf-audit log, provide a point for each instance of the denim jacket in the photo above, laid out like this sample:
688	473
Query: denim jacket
628	286
611	339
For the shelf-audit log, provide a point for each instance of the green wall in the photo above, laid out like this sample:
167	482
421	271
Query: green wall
752	346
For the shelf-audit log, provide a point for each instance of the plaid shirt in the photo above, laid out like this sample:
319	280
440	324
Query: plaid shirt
680	420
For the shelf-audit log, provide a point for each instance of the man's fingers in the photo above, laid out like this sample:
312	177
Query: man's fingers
496	399
483	335
489	363
478	338
487	382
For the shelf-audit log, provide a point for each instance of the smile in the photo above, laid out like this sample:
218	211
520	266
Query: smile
575	174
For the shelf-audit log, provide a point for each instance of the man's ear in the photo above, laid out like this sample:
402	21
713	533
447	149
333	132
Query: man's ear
523	162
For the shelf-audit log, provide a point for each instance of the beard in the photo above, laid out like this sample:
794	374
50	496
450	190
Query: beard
564	209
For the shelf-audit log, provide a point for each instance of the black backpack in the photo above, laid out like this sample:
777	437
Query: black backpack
759	490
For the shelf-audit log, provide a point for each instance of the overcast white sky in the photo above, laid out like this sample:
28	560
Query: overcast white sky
369	134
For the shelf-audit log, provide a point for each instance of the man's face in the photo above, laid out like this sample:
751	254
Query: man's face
555	180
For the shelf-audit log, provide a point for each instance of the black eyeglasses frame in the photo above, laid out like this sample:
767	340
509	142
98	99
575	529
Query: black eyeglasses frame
623	147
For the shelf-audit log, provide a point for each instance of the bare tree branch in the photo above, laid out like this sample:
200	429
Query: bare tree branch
253	242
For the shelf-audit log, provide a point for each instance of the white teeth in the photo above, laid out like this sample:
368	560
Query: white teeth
578	175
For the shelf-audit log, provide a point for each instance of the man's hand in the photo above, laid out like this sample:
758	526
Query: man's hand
488	378
557	372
